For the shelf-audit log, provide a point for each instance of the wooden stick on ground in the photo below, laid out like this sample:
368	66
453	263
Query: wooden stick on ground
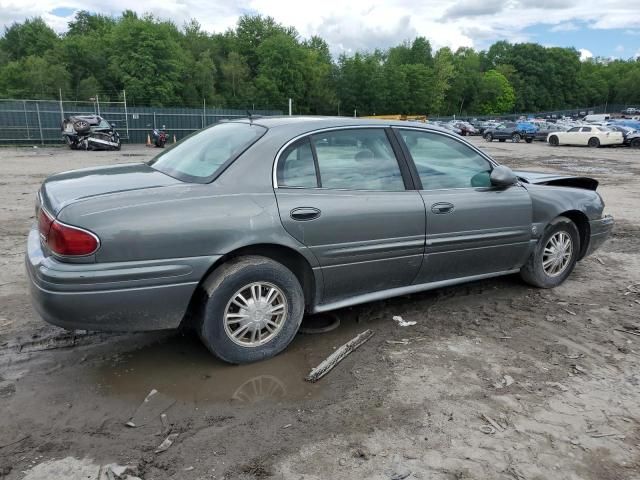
337	356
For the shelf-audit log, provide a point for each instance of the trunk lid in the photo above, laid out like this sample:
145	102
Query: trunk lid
62	189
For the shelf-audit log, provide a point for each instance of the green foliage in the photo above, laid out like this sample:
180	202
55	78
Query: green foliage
495	94
262	63
33	37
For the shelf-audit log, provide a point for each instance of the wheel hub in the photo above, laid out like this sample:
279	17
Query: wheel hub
255	314
557	254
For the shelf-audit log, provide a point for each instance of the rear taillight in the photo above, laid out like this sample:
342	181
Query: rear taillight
44	223
65	240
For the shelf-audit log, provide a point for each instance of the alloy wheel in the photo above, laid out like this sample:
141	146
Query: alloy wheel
557	254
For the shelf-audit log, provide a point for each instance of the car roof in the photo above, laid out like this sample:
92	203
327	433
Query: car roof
296	125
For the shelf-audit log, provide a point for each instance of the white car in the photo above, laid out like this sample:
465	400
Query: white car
593	136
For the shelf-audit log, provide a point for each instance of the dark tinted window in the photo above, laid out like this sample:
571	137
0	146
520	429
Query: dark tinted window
357	159
443	162
586	129
574	129
296	167
198	157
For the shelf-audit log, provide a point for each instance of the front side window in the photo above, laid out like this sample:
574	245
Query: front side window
296	167
200	156
574	129
444	163
357	159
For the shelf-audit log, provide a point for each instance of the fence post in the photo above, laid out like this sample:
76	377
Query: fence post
154	120
126	117
39	124
61	109
98	103
204	110
26	118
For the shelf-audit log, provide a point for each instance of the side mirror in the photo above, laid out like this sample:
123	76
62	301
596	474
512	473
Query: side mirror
503	176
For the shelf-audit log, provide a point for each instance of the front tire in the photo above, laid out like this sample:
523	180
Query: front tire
635	143
488	137
253	309
553	141
554	256
515	138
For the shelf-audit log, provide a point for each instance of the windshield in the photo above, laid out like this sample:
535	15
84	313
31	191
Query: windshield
202	155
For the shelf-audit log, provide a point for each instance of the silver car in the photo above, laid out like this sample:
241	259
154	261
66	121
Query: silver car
247	225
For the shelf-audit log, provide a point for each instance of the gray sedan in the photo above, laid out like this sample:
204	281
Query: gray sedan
247	225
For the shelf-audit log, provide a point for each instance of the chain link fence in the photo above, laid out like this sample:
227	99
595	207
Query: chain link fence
29	122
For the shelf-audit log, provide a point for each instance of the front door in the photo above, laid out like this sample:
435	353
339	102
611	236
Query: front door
343	194
473	228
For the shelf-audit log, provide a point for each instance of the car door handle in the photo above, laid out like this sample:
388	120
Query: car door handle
305	213
442	207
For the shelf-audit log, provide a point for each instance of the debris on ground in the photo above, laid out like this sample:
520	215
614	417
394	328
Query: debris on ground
121	472
578	369
404	341
558	385
493	423
402	322
166	443
154	404
63	340
506	381
338	355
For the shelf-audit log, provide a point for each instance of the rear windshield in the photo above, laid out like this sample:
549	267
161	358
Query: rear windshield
200	157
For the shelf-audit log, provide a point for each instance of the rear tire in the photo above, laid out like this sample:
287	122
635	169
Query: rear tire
515	138
635	143
594	142
528	140
488	137
253	309
540	270
553	141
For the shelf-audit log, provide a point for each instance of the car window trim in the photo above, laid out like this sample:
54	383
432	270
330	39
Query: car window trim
492	162
383	127
296	145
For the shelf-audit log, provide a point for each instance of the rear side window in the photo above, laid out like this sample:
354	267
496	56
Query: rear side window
357	159
296	167
445	163
586	129
199	157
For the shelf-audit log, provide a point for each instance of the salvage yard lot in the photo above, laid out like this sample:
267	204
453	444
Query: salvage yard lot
496	380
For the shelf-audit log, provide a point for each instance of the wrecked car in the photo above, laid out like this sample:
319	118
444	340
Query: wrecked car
90	132
244	226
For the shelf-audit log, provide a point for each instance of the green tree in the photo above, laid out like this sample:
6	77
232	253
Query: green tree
32	37
495	94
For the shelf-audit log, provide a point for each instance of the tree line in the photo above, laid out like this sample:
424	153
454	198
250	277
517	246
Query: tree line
261	64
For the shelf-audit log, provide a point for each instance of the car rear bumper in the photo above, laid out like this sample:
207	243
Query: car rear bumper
600	230
125	296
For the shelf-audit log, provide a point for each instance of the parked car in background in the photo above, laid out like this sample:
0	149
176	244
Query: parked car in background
630	111
243	226
544	129
592	136
90	132
526	127
508	131
465	127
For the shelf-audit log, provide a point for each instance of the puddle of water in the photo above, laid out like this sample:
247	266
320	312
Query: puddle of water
182	368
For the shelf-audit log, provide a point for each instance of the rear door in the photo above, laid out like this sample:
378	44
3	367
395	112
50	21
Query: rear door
347	196
473	228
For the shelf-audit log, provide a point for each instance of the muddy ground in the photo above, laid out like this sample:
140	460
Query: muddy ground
550	368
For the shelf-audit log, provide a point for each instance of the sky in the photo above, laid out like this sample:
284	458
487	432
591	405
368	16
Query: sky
604	28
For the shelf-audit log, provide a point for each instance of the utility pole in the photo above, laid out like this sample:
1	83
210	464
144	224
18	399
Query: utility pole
290	107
